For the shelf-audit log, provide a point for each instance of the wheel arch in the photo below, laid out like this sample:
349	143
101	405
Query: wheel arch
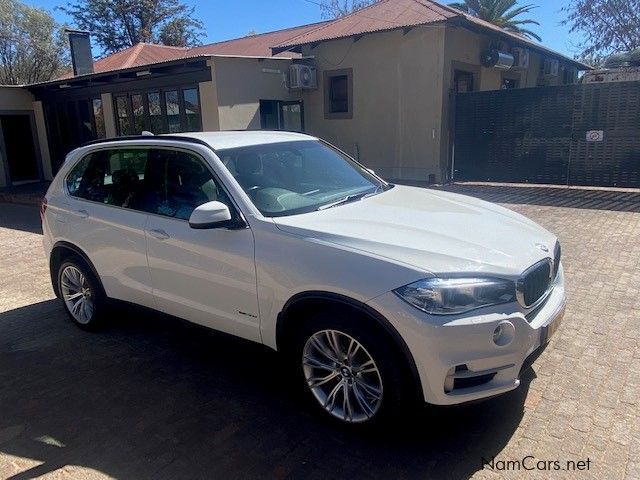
62	250
285	325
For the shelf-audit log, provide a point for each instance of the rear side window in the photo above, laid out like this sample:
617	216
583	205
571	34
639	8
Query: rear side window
114	177
73	180
166	182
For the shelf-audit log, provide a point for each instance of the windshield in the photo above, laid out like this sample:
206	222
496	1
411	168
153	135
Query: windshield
297	177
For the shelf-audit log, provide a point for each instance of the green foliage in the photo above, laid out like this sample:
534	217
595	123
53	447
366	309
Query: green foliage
340	8
607	26
502	13
32	44
118	24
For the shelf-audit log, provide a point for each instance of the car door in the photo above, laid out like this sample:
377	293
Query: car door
102	220
206	276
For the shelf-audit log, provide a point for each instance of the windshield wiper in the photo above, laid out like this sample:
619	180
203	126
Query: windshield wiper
349	198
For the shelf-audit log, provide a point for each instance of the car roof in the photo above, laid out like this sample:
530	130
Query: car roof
233	139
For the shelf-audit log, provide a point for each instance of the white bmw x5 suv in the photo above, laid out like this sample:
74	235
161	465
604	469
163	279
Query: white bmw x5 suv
378	294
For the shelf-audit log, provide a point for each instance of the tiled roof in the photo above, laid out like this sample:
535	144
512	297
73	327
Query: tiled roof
394	14
136	56
383	15
141	54
380	16
255	45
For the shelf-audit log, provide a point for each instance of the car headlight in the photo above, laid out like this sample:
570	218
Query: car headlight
448	296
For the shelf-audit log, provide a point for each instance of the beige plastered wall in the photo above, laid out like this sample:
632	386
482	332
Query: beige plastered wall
396	126
240	83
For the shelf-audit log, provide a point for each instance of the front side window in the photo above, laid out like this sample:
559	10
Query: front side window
185	184
297	177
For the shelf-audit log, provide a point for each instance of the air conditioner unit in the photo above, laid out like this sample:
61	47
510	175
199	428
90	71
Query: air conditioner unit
520	58
496	59
551	68
302	76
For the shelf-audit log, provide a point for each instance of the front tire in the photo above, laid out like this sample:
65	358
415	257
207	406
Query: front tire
81	294
351	370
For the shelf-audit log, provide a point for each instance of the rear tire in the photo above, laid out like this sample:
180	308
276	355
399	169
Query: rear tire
351	370
81	293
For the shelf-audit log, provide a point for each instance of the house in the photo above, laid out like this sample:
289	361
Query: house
378	83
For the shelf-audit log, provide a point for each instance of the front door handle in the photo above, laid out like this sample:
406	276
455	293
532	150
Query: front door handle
82	213
159	234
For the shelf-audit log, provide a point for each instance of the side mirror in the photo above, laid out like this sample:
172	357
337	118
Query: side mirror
210	215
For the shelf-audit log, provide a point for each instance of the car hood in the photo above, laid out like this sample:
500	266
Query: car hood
433	231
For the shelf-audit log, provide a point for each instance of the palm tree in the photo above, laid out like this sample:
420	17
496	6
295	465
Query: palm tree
502	13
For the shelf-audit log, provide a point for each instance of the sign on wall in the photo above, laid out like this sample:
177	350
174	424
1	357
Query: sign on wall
595	136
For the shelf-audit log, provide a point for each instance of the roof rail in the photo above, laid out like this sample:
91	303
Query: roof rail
132	138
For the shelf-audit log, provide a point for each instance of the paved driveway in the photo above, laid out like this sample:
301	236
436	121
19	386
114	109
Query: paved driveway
153	397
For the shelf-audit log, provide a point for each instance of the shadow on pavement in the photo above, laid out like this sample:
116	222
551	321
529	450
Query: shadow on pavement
154	397
596	199
20	217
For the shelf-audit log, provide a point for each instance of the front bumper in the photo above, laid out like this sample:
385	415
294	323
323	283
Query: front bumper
456	357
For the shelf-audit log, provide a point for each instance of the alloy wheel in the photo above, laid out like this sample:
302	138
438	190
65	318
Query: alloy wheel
342	376
77	294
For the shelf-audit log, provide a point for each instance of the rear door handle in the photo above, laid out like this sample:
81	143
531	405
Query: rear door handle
82	213
159	234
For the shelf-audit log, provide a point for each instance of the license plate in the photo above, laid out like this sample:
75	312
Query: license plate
548	330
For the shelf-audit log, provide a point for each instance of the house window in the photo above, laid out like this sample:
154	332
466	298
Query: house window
159	111
124	124
338	94
192	109
173	110
281	115
569	75
98	118
155	113
138	113
462	81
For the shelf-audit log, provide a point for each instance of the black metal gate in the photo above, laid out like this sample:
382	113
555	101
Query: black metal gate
539	135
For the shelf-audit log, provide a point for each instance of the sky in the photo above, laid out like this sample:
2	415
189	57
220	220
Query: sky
225	19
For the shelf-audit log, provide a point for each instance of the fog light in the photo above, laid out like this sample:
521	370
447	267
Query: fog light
504	333
448	381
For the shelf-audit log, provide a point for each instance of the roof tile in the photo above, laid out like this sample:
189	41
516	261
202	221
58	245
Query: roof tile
383	15
148	53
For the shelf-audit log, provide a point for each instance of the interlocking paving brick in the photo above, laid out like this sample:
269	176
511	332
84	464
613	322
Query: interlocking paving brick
154	398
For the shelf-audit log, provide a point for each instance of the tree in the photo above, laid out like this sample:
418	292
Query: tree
178	32
502	13
340	8
607	26
32	44
118	24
